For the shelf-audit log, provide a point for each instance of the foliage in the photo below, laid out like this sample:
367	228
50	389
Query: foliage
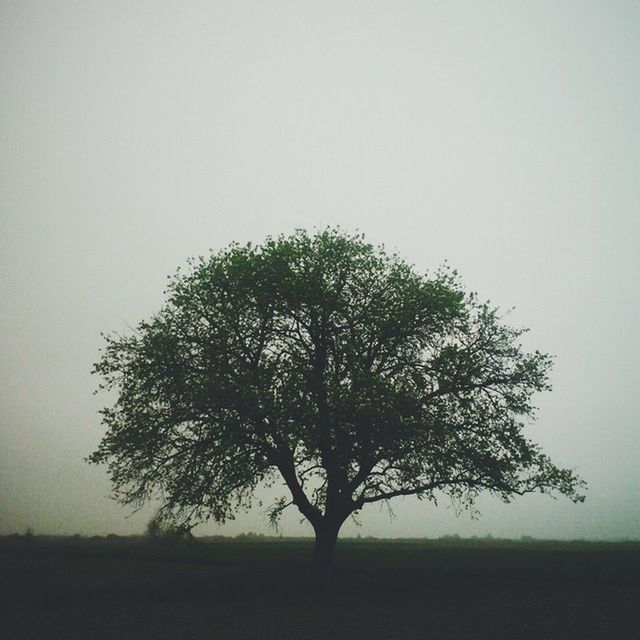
162	526
329	362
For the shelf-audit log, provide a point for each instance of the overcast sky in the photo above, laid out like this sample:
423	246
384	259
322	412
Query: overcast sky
503	137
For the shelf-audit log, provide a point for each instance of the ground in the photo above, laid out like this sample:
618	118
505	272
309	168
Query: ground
132	588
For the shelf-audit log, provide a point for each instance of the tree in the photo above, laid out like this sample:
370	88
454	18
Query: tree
326	361
162	527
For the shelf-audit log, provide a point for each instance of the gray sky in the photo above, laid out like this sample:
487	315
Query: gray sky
503	137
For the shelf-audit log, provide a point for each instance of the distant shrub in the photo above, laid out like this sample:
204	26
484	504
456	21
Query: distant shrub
450	538
250	536
162	528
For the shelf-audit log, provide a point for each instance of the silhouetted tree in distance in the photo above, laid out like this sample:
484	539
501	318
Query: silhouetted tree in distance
326	361
162	527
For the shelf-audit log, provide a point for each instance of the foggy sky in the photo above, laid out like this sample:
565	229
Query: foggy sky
502	137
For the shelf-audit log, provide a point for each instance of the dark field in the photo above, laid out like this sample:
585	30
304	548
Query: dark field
128	588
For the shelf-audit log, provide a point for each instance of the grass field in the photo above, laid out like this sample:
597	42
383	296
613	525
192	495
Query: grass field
131	588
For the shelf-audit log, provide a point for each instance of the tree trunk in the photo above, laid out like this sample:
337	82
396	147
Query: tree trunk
324	550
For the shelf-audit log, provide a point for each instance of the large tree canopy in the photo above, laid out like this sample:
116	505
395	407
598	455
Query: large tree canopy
324	360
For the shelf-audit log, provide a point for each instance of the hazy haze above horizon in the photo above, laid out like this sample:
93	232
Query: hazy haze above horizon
501	137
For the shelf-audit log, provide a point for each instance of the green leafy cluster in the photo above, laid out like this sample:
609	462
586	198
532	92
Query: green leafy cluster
323	360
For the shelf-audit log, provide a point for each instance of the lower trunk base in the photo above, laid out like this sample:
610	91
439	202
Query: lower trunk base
324	554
